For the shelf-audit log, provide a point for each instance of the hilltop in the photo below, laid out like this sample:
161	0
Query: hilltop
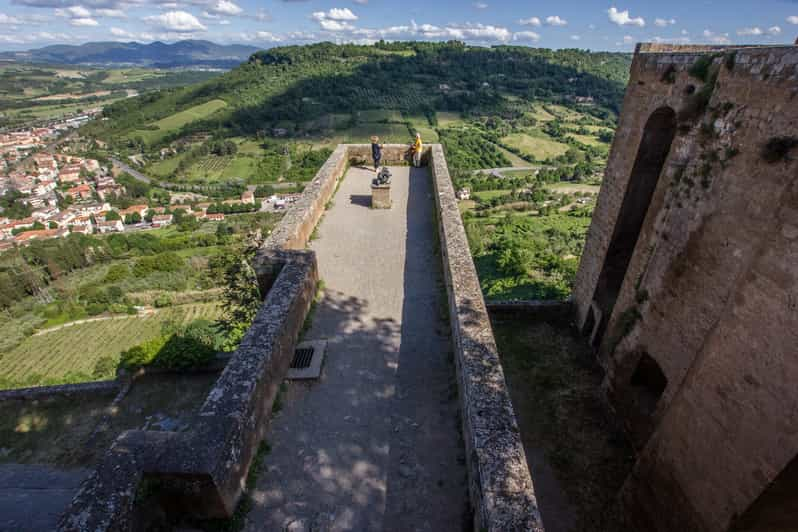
188	53
300	90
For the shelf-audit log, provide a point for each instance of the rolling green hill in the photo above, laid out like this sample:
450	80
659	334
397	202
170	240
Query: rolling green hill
304	89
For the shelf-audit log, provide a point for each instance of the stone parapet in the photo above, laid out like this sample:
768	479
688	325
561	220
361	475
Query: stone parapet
62	390
500	485
206	468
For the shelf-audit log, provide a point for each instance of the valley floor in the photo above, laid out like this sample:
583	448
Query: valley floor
375	444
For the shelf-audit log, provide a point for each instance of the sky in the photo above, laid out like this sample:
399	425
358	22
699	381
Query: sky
586	24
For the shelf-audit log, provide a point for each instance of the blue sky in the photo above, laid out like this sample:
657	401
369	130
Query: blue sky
593	24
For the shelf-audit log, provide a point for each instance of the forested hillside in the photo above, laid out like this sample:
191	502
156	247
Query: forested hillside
299	84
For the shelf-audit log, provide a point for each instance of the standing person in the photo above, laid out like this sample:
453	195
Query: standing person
376	151
417	150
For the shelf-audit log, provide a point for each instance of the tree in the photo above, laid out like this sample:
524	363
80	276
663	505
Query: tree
112	216
133	218
242	297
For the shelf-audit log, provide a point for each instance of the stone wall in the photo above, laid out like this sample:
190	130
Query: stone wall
500	485
83	389
206	467
711	288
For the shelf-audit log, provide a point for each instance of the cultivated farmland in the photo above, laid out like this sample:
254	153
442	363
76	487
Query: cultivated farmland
51	356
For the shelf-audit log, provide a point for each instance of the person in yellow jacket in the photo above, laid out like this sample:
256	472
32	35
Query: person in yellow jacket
417	150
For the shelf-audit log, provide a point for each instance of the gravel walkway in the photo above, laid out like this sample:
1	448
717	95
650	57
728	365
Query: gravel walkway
375	443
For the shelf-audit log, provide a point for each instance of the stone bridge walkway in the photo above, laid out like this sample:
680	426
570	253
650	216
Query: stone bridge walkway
375	443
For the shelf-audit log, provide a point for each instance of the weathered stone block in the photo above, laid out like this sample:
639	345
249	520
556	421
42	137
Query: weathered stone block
380	196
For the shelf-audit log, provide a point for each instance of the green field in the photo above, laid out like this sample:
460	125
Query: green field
446	119
77	348
536	143
174	122
490	194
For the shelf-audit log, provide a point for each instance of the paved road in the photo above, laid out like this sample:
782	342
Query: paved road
499	172
132	171
374	445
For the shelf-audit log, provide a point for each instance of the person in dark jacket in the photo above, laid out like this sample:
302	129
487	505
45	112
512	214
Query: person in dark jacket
376	151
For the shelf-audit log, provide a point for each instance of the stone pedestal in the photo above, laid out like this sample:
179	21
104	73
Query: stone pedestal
380	196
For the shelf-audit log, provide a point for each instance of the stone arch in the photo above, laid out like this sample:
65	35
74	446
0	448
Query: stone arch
652	153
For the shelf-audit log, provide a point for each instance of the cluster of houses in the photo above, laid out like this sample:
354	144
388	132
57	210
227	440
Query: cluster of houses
89	187
17	145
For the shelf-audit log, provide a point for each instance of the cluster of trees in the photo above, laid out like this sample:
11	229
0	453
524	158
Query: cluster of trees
178	347
469	149
12	205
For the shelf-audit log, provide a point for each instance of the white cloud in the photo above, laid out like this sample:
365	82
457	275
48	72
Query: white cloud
335	13
361	2
672	40
556	21
225	7
179	21
715	38
622	18
774	30
73	12
750	31
111	13
480	5
119	32
576	37
83	22
335	25
663	23
262	15
267	36
793	19
628	39
224	22
531	21
591	26
526	36
8	19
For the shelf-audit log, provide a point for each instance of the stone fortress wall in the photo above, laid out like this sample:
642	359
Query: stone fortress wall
209	464
688	285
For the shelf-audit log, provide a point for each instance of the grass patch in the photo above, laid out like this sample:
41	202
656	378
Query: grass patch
535	143
555	386
174	122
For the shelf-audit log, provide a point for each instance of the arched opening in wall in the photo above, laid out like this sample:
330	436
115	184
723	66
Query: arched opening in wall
647	384
777	506
651	155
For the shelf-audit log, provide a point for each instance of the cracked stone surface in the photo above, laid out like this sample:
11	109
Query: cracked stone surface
375	444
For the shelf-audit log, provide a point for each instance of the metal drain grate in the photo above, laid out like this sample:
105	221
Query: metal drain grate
302	358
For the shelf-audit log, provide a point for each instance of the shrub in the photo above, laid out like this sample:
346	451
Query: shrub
142	354
105	367
116	273
163	300
700	69
191	346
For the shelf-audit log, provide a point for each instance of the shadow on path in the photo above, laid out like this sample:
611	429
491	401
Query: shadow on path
375	443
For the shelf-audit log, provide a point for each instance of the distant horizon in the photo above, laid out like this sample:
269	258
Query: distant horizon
584	24
279	45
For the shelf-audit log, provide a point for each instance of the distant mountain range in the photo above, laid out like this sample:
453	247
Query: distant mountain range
187	53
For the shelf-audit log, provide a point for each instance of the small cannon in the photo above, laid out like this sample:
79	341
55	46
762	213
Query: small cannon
383	178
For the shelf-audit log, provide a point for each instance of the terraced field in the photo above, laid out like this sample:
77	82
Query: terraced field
77	348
